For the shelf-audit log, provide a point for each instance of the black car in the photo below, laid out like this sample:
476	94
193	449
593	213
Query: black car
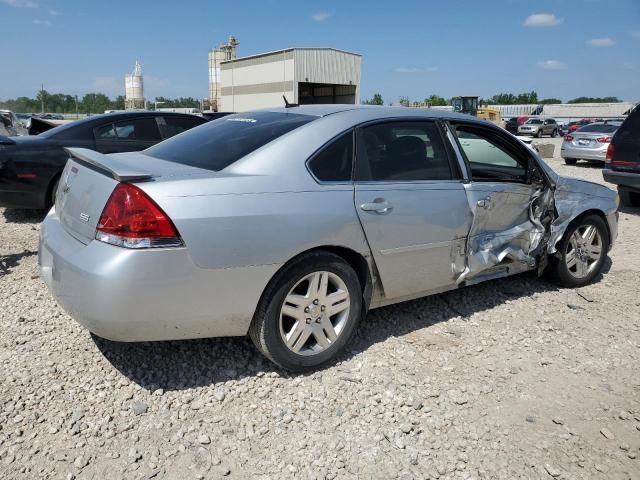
622	166
30	166
512	125
215	115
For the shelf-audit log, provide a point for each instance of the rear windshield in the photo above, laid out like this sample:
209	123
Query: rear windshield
599	128
219	143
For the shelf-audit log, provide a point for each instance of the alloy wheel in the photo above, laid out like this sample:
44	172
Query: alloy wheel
584	251
314	313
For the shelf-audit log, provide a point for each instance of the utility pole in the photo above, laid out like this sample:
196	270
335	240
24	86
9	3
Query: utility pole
42	98
77	107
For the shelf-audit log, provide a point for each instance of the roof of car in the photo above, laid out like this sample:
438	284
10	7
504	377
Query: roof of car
374	111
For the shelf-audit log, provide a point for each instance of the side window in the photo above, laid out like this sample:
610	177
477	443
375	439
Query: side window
105	131
490	158
402	151
334	162
137	129
170	126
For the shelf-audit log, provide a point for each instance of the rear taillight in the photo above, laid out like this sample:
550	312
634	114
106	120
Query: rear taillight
603	139
568	137
131	219
609	157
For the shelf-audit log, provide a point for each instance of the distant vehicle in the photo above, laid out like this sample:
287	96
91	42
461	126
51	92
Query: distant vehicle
12	124
268	223
213	115
538	127
512	125
49	116
573	126
30	166
622	164
588	143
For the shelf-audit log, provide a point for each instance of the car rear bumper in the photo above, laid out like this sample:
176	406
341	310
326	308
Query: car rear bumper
624	179
145	295
595	154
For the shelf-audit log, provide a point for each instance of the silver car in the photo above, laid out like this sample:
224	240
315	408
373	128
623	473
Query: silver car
538	127
588	143
290	224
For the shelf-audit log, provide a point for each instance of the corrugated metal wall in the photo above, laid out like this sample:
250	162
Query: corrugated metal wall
327	66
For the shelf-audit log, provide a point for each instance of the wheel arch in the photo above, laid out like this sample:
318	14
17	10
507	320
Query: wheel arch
586	213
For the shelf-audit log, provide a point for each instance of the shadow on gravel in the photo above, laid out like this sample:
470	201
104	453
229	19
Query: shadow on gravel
179	365
629	210
18	215
7	262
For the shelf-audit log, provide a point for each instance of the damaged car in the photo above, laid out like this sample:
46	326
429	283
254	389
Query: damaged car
289	224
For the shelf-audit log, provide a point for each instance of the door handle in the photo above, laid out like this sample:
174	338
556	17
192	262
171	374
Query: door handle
484	203
379	205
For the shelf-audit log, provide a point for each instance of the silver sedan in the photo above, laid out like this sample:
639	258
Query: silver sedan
589	143
290	224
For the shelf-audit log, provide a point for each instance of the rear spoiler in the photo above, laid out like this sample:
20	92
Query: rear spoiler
109	165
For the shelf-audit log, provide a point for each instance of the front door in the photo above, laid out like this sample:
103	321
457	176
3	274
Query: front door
412	205
506	229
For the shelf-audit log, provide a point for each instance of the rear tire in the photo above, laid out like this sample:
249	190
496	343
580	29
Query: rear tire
628	198
568	270
554	134
289	327
570	161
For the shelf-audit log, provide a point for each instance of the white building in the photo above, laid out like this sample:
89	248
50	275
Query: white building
303	75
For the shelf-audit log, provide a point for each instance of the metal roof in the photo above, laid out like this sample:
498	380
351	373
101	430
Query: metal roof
291	49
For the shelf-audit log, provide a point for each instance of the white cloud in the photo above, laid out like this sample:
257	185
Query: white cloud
601	42
415	70
37	21
108	85
55	13
321	16
20	3
542	20
635	34
552	65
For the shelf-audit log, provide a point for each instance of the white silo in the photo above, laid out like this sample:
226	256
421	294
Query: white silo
134	89
225	51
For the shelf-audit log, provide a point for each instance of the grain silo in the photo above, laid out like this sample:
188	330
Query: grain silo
225	51
134	89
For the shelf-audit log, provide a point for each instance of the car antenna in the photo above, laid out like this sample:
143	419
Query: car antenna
287	104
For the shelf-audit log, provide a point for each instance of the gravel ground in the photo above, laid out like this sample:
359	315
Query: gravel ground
514	378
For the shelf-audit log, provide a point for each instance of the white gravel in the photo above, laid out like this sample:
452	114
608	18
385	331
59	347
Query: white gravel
511	379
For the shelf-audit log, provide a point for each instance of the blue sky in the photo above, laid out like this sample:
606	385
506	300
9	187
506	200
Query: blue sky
561	49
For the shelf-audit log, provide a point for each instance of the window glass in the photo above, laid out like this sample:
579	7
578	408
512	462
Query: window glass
333	163
170	126
219	143
534	121
402	151
137	129
106	131
631	126
599	128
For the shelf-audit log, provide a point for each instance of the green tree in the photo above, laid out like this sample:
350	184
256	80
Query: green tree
404	101
549	101
375	100
435	101
595	100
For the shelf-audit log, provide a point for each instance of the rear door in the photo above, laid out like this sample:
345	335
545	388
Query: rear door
127	135
171	125
412	205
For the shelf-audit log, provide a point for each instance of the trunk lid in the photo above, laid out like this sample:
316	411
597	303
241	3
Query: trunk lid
587	140
86	183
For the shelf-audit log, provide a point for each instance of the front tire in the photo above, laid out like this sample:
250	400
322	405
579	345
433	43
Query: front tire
539	134
554	134
582	250
308	312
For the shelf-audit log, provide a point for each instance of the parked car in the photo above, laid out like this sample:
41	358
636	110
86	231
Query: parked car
622	164
30	166
268	223
11	124
573	126
588	143
538	127
512	125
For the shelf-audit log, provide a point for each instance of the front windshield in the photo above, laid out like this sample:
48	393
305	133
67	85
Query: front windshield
534	121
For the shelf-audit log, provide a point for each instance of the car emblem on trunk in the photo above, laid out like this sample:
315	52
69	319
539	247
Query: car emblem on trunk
84	217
